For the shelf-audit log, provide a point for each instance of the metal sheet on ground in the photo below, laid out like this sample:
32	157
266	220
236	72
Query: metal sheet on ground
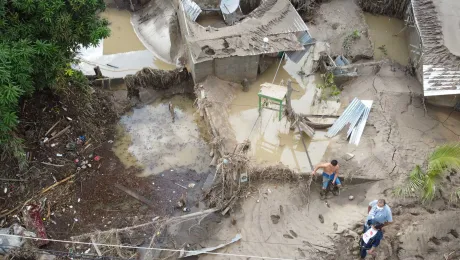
229	6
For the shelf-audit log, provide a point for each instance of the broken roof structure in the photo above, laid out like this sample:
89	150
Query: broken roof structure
272	27
437	24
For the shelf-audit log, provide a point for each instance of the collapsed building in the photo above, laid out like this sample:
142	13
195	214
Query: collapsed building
235	40
433	34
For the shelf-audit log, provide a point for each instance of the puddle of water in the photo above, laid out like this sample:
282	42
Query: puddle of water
149	138
122	37
213	20
122	53
382	30
271	139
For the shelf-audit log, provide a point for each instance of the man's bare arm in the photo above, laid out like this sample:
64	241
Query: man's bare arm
321	165
336	174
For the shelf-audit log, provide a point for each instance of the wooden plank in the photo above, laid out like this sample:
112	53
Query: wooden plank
135	195
273	91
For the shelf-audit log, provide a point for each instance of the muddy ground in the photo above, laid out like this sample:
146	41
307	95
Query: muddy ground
90	200
401	131
273	221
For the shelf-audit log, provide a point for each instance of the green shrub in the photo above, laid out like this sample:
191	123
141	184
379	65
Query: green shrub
38	41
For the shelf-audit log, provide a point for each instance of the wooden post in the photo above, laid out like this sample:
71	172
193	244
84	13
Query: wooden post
288	96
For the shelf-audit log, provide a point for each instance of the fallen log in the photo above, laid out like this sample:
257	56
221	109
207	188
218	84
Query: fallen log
315	125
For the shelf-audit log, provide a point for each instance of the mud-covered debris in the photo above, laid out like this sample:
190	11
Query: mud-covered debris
350	233
8	243
33	221
288	236
348	156
321	218
454	233
275	219
294	234
336	226
208	249
351	197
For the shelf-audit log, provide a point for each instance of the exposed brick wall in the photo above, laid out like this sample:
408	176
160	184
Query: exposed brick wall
234	69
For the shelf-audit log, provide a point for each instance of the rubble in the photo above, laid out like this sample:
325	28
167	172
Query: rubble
8	243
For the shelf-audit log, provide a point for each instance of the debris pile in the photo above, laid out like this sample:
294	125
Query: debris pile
156	79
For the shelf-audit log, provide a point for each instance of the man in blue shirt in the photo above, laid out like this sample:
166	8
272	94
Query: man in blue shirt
378	211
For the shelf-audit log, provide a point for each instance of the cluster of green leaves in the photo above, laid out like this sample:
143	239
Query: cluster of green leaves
424	184
38	41
328	86
348	41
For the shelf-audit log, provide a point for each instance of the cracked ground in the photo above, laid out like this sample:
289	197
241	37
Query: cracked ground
402	129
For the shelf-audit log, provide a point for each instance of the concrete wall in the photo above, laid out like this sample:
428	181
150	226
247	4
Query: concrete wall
246	5
234	69
201	70
444	101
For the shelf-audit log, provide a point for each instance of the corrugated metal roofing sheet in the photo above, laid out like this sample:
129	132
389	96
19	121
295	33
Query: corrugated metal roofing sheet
191	9
350	117
359	129
304	39
438	81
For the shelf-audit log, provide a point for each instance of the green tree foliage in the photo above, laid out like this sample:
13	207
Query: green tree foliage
38	42
424	184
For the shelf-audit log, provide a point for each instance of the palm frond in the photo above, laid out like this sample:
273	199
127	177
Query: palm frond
444	157
429	189
414	185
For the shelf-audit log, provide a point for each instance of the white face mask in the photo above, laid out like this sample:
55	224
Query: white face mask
379	208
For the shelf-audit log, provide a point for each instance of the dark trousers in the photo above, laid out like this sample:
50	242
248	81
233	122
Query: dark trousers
363	250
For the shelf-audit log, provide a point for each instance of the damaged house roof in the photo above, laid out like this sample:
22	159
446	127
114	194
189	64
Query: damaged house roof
437	22
276	20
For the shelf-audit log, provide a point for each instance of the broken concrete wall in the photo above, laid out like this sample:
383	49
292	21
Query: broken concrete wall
201	70
234	68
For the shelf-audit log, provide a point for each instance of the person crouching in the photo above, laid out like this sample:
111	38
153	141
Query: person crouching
371	239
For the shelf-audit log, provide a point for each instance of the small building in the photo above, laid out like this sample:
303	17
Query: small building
434	38
236	40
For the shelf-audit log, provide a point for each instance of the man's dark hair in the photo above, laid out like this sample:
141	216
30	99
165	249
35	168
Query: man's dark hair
383	201
334	162
378	225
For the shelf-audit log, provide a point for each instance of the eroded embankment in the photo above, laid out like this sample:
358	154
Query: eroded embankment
392	8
